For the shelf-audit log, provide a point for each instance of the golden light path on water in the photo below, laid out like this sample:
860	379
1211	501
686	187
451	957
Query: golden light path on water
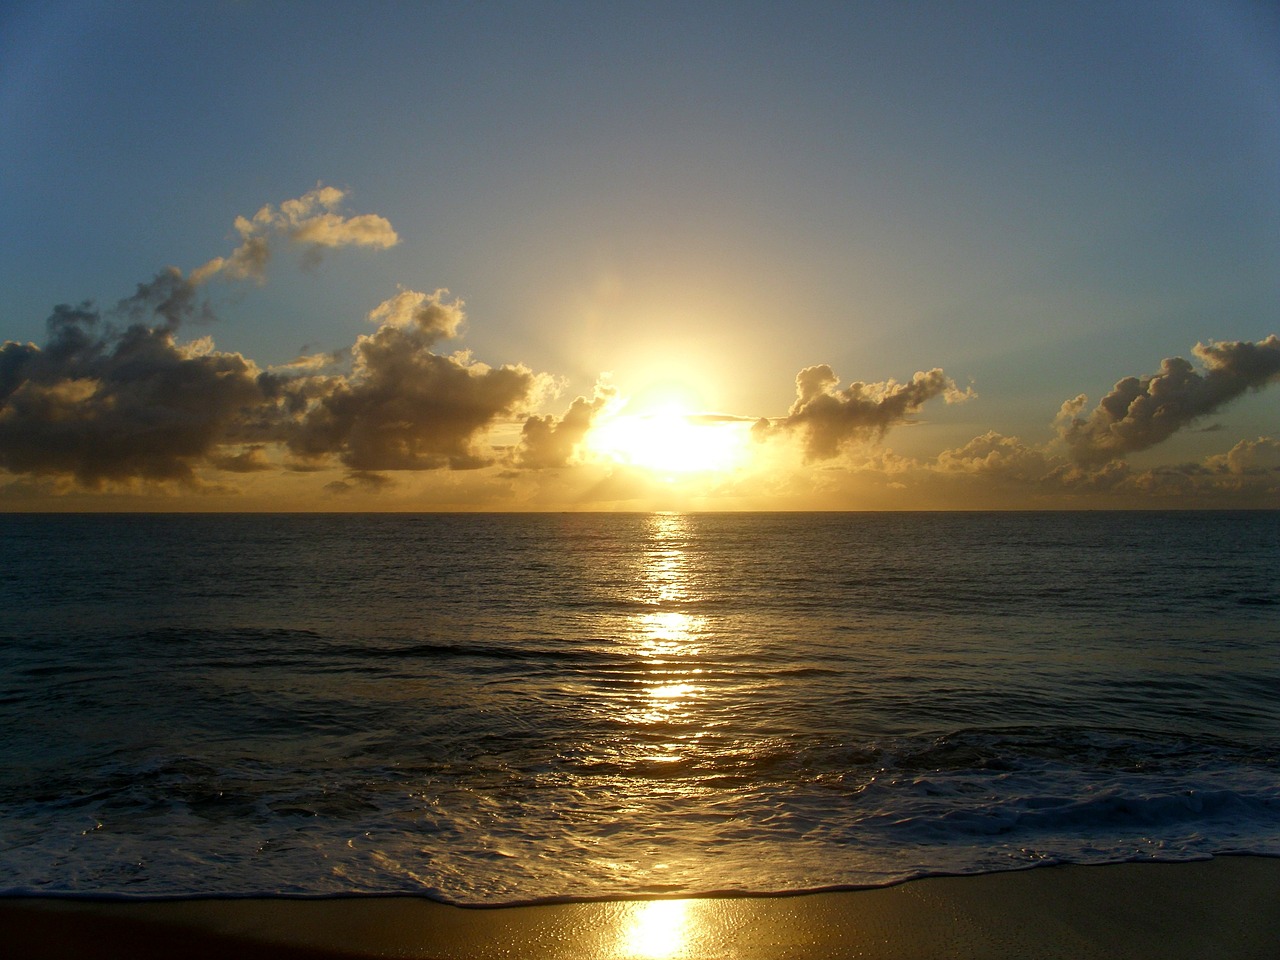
665	636
663	929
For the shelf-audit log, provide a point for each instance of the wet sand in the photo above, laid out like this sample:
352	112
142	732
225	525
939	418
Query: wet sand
1228	907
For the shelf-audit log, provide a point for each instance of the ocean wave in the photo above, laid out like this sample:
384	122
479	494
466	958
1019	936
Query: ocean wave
490	710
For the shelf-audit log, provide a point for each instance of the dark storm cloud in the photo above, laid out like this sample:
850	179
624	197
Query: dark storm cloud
105	404
1140	412
548	442
829	417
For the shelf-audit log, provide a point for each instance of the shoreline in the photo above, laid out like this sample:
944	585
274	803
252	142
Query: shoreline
1228	906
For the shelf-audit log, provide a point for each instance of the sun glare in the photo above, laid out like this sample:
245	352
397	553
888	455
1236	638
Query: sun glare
658	931
670	440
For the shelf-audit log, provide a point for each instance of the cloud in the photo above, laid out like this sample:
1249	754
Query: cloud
829	418
1140	412
107	403
428	313
116	398
1247	475
998	462
311	221
309	362
359	481
1249	458
404	407
121	401
548	442
169	300
994	456
104	404
250	460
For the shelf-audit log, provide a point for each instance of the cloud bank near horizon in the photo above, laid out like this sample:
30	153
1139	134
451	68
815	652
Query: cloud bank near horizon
115	398
1249	472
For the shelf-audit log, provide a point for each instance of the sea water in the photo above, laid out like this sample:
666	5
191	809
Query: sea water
507	708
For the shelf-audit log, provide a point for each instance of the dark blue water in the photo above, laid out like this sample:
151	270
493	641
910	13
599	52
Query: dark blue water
491	708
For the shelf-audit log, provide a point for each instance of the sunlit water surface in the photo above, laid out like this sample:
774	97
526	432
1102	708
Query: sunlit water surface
501	708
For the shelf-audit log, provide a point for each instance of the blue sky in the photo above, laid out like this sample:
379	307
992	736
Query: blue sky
700	199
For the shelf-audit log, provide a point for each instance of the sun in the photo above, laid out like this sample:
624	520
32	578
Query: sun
669	440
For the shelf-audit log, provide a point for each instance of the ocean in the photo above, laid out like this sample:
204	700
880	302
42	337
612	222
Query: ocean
499	708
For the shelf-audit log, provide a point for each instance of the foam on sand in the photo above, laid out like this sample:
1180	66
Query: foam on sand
1228	907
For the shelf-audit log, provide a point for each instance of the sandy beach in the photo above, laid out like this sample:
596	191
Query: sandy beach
1225	907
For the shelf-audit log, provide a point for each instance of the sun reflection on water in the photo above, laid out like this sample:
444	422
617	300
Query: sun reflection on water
659	929
664	723
665	572
668	633
666	640
671	691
